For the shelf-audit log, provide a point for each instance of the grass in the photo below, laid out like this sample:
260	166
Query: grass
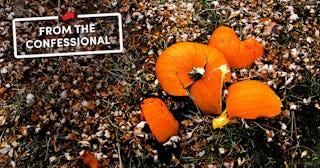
126	79
307	121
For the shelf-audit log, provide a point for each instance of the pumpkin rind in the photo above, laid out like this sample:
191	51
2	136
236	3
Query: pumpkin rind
162	123
251	99
240	54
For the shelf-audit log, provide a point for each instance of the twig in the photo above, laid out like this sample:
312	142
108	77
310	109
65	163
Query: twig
47	149
259	125
2	134
118	149
120	161
293	125
189	95
59	5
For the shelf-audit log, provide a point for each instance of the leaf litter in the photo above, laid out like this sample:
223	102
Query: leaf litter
55	110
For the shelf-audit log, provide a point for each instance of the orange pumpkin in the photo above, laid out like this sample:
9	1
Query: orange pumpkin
176	62
206	93
240	54
162	123
196	67
251	99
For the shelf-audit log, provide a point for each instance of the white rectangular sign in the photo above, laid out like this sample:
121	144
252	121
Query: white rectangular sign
85	35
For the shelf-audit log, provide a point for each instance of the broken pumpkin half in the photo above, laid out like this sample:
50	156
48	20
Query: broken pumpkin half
196	70
249	99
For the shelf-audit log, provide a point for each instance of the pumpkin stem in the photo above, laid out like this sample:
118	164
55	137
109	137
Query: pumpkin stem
220	121
196	73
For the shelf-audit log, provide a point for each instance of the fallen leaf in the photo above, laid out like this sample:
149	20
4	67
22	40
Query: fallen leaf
304	153
89	160
270	135
90	105
1	111
2	90
269	24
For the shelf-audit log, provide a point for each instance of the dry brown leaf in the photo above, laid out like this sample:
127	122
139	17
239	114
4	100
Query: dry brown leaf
77	92
269	24
89	159
76	105
1	111
2	90
90	105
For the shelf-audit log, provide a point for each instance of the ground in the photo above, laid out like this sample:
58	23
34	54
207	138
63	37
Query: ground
52	110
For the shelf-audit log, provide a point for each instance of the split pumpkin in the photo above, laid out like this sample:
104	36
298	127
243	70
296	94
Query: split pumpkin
194	67
162	123
250	99
178	63
240	54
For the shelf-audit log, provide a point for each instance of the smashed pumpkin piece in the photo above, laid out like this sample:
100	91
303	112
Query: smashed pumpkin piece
240	54
206	93
162	123
220	121
249	99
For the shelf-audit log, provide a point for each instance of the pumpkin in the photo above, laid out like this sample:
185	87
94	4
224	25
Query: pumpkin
250	99
177	63
162	123
194	67
206	93
240	54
